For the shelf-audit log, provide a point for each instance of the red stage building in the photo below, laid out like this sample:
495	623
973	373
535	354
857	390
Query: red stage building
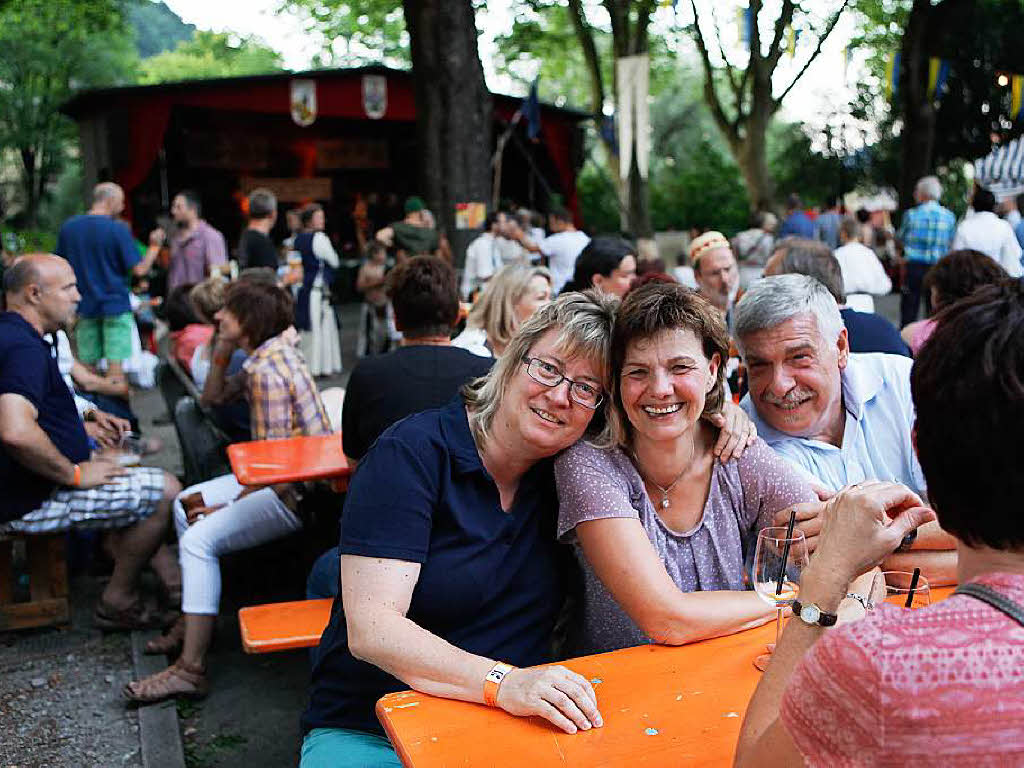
333	136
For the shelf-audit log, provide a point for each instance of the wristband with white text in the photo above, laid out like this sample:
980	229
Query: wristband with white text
493	681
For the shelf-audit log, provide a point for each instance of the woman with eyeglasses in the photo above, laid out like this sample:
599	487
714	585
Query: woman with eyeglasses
451	576
661	523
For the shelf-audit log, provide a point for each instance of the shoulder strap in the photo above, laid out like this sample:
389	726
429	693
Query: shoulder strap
997	600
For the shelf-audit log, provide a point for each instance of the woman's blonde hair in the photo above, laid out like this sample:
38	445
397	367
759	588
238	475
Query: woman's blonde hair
207	298
584	321
495	311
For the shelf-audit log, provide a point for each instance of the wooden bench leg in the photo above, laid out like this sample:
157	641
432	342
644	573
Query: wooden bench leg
48	585
6	571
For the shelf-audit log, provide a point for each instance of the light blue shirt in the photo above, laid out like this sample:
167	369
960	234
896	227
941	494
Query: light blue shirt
876	440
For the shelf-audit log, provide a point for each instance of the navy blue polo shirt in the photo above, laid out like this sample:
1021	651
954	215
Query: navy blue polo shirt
491	582
869	332
28	367
102	253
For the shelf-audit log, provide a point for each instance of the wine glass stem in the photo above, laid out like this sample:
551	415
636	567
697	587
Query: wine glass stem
778	627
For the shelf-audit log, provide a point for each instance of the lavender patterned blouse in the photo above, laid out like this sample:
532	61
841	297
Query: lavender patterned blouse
745	494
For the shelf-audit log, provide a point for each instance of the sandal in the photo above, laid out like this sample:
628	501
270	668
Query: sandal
172	682
135	616
170	642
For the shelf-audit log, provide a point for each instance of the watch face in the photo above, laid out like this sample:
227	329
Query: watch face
810	614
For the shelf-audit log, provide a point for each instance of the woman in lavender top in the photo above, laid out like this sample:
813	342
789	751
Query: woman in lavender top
661	528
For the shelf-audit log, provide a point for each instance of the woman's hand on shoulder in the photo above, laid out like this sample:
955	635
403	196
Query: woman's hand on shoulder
736	432
559	695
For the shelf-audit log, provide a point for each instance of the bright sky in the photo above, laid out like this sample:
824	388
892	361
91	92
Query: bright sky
820	93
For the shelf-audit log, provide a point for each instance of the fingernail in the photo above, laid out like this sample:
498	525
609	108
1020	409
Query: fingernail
586	726
598	721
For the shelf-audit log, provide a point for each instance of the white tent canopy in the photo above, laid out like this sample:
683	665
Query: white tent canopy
1001	171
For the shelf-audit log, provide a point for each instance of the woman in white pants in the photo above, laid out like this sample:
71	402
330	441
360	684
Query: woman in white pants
314	315
221	515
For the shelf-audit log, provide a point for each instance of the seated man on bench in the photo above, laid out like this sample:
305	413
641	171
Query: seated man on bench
50	484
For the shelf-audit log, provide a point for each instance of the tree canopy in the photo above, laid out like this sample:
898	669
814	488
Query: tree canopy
211	54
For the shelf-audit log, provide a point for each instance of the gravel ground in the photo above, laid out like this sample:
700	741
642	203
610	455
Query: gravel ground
60	702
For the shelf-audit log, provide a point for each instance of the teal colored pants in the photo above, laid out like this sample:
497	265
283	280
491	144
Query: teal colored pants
341	748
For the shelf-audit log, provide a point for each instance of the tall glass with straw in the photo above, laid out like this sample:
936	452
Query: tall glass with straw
779	559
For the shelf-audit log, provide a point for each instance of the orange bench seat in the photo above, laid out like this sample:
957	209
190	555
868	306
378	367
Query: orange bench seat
283	626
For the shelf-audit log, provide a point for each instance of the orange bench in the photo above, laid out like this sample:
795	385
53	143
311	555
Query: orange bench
291	459
283	626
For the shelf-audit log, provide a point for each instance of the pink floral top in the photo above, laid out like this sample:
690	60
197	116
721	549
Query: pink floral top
941	686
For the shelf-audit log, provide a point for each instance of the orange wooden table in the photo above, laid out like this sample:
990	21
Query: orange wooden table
292	459
662	706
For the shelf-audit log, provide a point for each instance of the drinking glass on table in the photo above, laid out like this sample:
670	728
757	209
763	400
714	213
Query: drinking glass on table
893	587
779	559
130	450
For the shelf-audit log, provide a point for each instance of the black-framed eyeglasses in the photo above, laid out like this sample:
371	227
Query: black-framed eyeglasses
548	374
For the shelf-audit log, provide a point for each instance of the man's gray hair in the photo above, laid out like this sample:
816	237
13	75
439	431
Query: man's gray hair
772	301
929	187
104	191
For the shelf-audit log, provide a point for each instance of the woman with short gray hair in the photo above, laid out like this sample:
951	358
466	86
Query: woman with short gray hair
450	570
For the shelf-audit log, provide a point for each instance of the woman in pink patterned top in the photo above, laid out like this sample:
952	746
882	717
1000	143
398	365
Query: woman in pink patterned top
942	685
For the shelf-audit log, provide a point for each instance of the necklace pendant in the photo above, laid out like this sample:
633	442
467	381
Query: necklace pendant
665	503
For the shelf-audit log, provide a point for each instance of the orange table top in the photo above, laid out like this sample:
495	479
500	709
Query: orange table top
292	459
661	705
283	626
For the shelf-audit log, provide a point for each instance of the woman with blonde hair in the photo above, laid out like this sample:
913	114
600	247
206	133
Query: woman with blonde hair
510	299
206	299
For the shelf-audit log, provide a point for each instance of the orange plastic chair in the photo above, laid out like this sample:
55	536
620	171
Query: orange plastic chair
292	459
283	626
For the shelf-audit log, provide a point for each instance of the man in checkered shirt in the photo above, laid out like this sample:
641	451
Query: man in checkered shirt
926	232
49	479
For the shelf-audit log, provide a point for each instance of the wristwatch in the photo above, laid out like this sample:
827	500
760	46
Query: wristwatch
907	542
812	614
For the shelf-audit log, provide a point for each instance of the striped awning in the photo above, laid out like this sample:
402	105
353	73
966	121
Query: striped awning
1002	170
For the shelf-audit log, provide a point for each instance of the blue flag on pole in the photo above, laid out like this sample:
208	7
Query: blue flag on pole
531	111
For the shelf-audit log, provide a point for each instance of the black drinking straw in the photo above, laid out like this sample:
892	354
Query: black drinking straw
785	551
913	587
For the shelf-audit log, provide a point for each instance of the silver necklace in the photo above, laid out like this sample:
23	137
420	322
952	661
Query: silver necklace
665	503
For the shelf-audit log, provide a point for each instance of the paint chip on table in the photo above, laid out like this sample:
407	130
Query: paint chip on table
596	681
730	714
651	731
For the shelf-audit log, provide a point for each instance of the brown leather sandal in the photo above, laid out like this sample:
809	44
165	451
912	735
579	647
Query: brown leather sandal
135	616
173	682
170	642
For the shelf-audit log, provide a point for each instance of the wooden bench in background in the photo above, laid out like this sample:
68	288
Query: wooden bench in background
46	564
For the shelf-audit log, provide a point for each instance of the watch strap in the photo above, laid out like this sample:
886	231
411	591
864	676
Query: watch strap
824	619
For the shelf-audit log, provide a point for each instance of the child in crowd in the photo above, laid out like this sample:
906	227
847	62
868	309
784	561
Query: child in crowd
372	283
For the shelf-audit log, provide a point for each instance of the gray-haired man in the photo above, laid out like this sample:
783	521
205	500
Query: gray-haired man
842	418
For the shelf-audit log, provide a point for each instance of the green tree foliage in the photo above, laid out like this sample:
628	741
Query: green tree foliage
211	54
49	49
354	33
157	28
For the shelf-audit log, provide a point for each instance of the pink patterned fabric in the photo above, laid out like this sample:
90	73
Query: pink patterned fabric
938	686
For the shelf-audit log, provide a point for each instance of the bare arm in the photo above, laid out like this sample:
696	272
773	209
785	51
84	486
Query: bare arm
627	564
91	381
219	387
368	279
146	263
376	594
26	442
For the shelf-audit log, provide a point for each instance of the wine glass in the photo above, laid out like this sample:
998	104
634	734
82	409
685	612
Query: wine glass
779	559
893	587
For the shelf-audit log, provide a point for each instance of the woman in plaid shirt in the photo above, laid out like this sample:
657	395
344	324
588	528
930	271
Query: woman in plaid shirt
220	515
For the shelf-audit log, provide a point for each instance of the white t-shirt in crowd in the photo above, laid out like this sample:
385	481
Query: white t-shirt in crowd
862	274
984	231
483	259
562	248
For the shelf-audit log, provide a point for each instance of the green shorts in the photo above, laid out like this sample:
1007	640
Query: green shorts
105	337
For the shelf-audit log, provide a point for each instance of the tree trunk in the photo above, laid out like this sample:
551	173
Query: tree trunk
639	214
750	153
453	110
29	183
917	141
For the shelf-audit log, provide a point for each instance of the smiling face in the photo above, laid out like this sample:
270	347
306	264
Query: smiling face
794	377
621	278
537	294
544	418
664	382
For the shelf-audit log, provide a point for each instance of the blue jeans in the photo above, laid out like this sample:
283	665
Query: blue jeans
342	748
325	576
